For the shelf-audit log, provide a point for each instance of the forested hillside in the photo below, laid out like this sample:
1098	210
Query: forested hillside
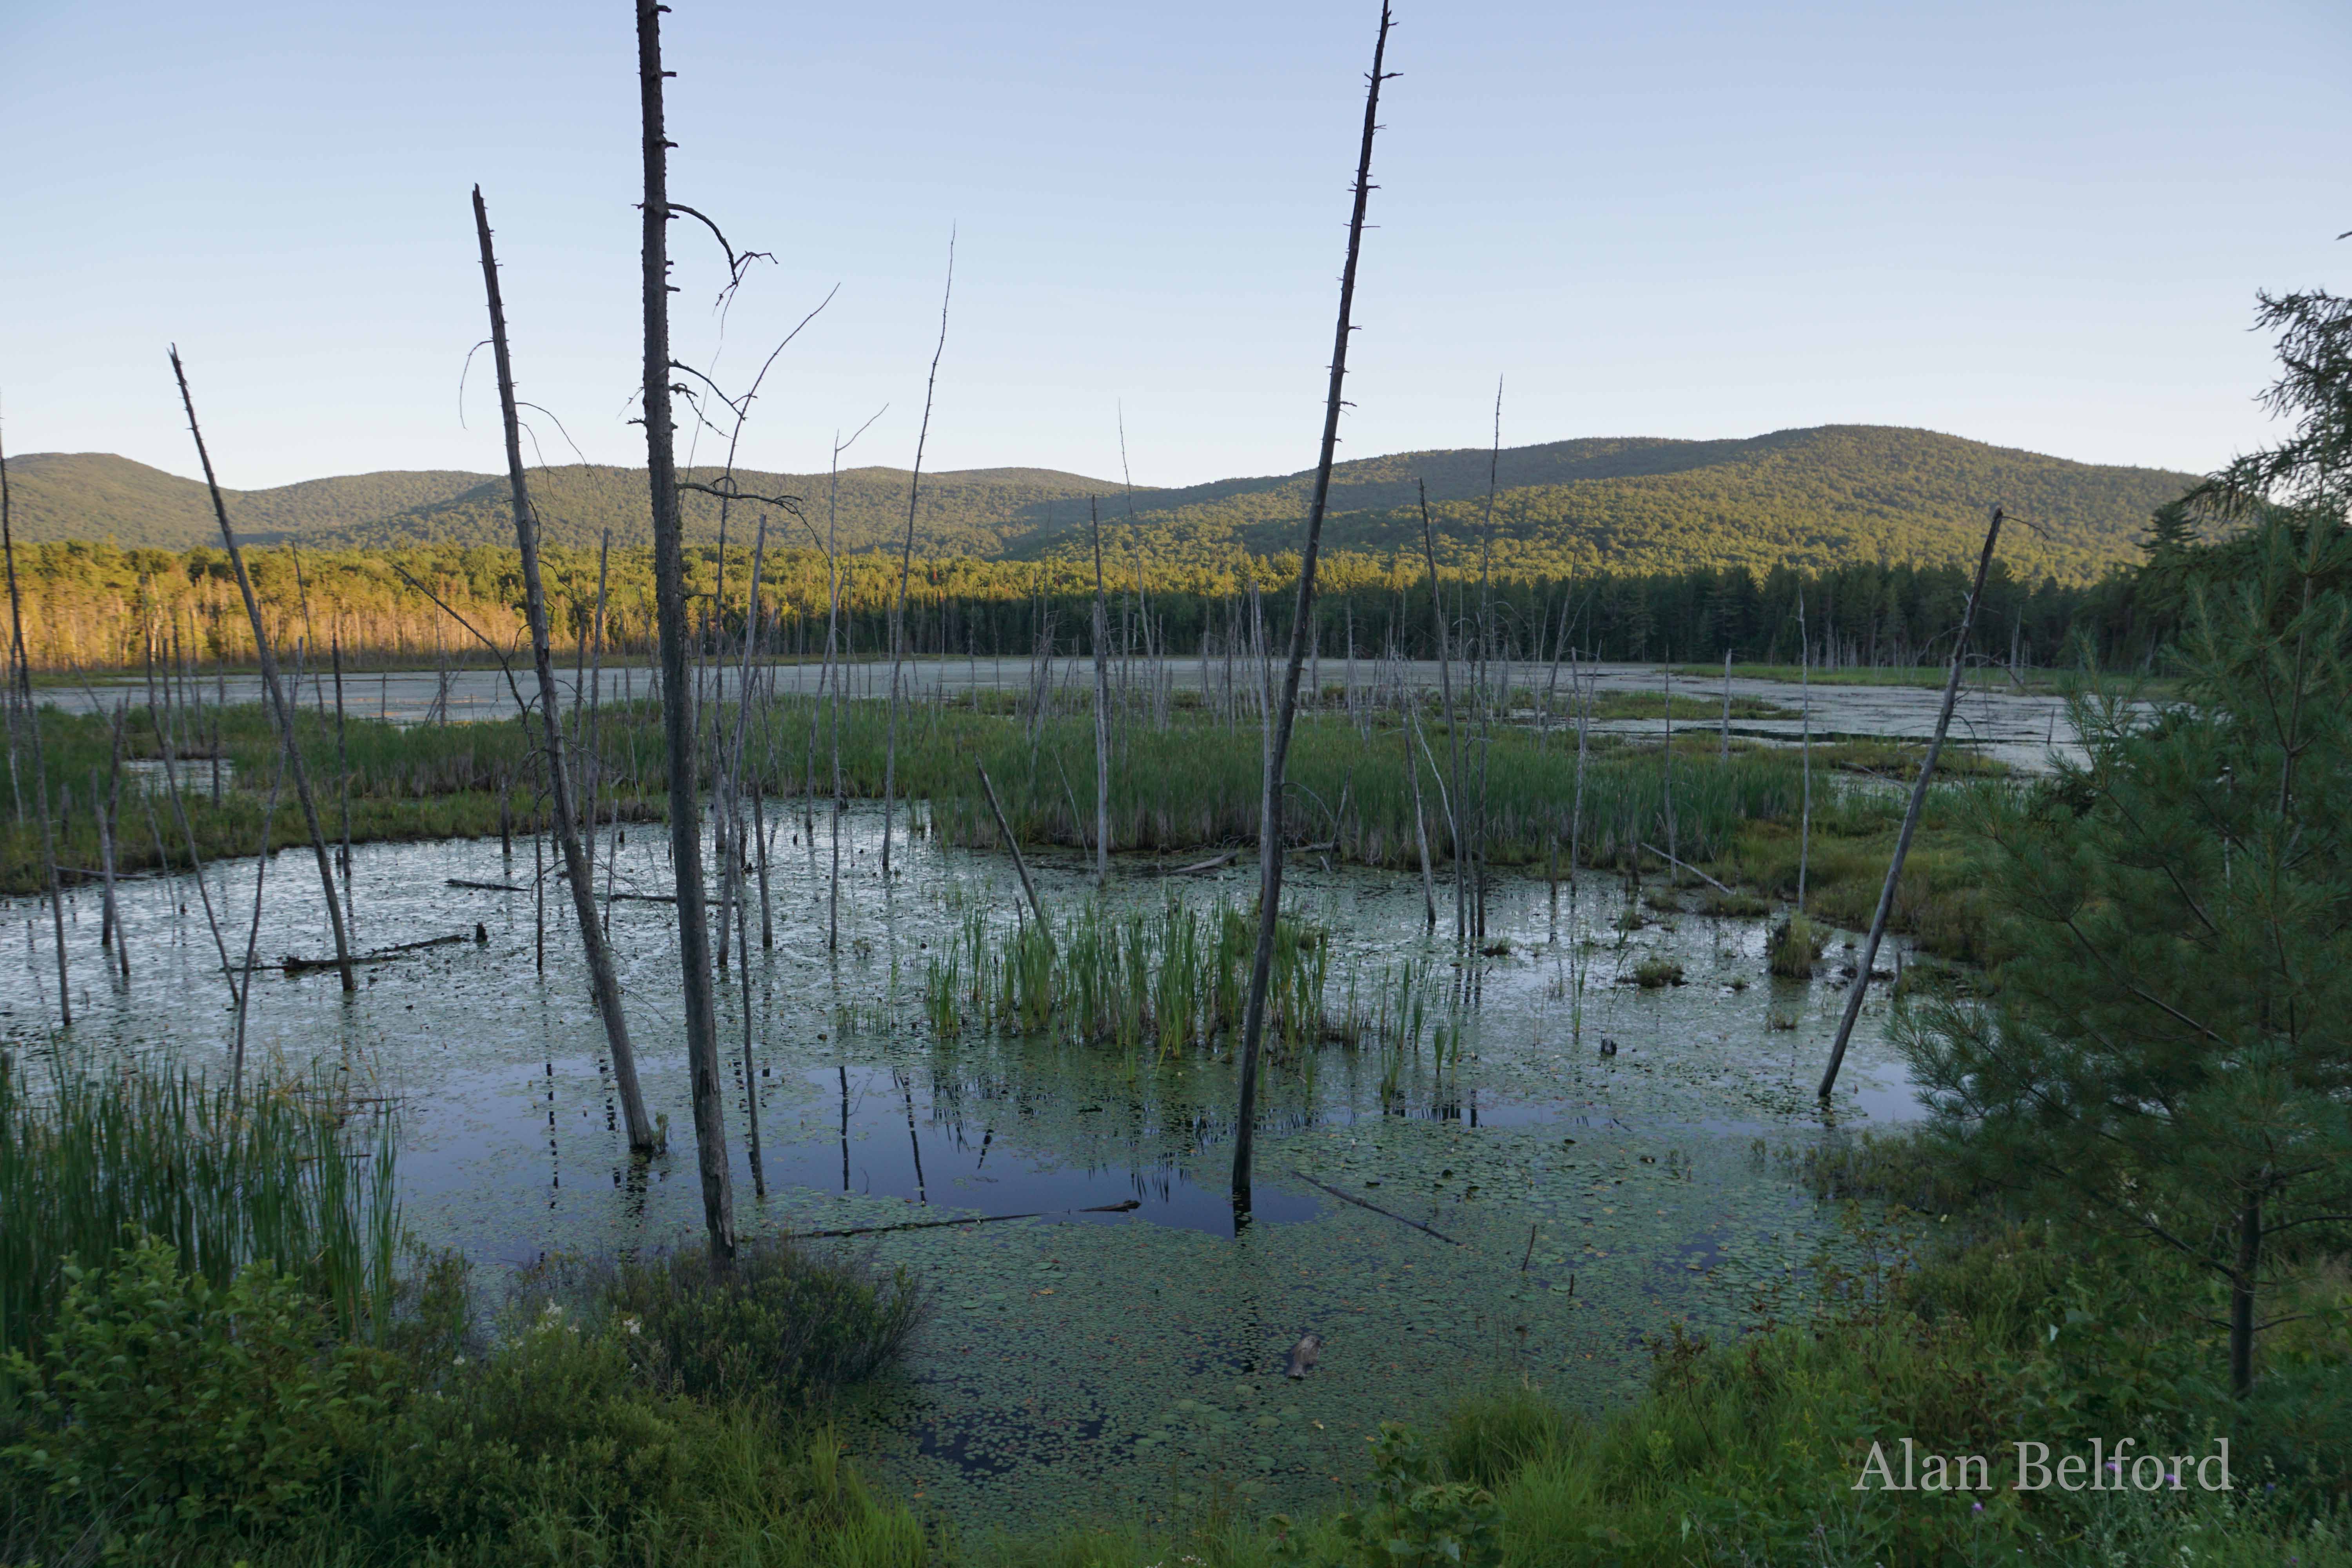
1814	499
1811	499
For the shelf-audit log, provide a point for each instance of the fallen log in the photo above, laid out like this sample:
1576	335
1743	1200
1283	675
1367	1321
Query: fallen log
1688	866
1366	1204
488	887
295	964
1197	867
940	1224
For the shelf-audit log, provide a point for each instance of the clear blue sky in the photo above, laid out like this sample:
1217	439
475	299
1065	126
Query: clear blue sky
2040	225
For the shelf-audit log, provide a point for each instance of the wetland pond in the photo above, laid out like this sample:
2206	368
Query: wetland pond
1072	1365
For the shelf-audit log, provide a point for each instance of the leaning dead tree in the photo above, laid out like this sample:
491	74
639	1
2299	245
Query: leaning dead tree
603	983
1911	813
1269	836
906	566
271	688
1102	709
672	613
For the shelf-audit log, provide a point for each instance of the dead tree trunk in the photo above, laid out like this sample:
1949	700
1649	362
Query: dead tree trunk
1102	710
279	706
1805	690
906	564
1453	730
343	771
603	983
1269	838
1911	813
677	688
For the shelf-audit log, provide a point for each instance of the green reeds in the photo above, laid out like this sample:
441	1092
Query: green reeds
1158	981
277	1175
1795	947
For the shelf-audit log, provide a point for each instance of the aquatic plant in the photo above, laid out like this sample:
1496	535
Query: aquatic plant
1795	946
1162	980
1652	974
288	1176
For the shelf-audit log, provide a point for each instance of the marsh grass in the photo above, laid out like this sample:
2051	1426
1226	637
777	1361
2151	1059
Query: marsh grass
1156	982
1179	791
1794	947
1653	974
287	1176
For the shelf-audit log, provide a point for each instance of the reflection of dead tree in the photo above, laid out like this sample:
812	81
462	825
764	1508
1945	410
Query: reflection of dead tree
271	686
603	983
1278	737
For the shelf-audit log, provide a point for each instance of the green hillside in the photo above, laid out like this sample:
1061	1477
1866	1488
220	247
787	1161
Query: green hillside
1816	498
97	495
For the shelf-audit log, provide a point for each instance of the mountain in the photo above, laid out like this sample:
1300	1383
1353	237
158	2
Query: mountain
1814	496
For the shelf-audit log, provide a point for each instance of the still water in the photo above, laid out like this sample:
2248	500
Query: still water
1072	1362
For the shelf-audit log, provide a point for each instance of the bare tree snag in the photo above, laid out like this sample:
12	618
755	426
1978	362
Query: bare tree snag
1457	828
1911	811
1269	835
1102	709
275	691
906	564
671	612
602	983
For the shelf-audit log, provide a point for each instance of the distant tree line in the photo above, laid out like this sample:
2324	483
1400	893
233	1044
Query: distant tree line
95	607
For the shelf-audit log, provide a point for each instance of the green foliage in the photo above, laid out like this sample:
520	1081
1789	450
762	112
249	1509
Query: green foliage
2165	1052
1158	980
280	1177
168	1420
1415	1519
163	1398
1653	974
1794	947
775	1326
1808	495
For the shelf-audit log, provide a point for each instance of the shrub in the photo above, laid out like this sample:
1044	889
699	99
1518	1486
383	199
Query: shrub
1416	1520
552	1426
171	1399
775	1325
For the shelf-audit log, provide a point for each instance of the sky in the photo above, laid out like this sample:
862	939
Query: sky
2037	225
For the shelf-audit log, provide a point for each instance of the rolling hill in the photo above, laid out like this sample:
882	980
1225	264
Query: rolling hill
1816	497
